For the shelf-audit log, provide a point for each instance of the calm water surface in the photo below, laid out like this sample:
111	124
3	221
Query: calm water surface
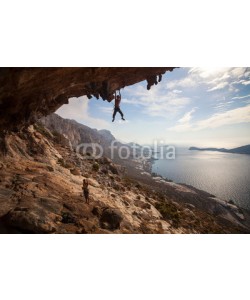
224	175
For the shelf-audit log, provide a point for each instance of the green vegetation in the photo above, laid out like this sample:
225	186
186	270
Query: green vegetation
68	218
169	212
61	162
95	167
66	164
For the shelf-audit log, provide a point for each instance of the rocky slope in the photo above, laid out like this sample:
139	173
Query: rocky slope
75	132
40	192
27	94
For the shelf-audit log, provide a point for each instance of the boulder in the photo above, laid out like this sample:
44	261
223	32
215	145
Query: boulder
96	211
142	204
75	172
28	221
105	160
113	168
93	182
110	219
50	168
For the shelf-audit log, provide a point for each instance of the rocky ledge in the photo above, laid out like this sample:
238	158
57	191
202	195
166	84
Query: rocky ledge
27	94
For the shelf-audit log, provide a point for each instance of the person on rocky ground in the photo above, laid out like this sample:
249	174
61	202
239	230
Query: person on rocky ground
117	106
85	189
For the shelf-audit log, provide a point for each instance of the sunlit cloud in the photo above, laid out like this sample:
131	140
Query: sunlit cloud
234	116
187	116
78	109
182	83
214	78
157	102
177	91
246	82
219	86
241	97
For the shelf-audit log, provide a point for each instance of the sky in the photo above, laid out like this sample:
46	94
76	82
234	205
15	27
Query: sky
203	107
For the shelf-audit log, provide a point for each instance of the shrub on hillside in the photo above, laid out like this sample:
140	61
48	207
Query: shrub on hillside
95	167
169	212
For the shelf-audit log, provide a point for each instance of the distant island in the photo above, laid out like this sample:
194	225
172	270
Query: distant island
240	150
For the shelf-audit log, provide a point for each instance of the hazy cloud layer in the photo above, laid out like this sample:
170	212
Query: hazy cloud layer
78	109
234	116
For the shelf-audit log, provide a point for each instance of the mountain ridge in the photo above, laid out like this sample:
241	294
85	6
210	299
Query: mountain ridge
239	150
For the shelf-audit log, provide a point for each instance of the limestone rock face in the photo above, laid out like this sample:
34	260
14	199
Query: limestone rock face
27	94
77	133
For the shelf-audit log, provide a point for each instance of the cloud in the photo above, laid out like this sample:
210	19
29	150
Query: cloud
188	116
78	110
184	122
234	116
121	122
157	101
106	109
177	91
241	97
208	72
222	105
219	86
244	82
214	78
219	73
188	81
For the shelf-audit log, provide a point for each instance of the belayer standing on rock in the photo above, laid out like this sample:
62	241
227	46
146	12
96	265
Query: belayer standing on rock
117	106
85	189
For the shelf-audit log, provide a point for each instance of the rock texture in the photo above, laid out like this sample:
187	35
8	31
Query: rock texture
40	192
27	94
77	133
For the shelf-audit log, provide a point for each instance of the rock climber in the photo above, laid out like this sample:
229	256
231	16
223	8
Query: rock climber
85	189
117	106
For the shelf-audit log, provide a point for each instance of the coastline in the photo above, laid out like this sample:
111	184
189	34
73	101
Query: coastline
226	212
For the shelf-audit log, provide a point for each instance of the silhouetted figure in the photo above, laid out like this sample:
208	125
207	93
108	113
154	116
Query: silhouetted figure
117	106
85	189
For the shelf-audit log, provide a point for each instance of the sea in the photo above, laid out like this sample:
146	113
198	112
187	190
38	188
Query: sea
225	175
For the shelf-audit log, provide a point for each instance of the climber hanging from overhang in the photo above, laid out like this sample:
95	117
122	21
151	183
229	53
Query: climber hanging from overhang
117	106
